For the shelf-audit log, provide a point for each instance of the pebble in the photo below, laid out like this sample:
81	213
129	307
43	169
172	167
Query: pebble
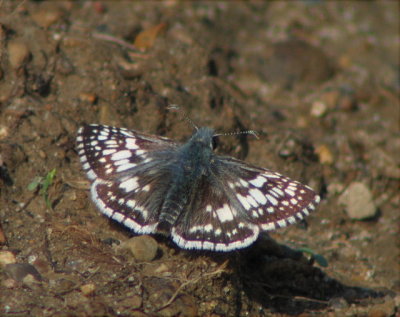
88	97
3	238
324	154
318	109
88	289
7	257
146	39
30	281
157	269
4	132
62	285
143	248
130	70
347	102
9	283
18	53
330	98
133	302
45	17
42	265
358	202
20	272
162	269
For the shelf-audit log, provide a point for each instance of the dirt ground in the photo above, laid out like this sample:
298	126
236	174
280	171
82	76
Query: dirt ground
319	81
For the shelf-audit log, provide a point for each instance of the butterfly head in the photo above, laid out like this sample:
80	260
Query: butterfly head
204	137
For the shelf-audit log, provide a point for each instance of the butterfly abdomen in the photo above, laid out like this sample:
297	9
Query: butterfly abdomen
175	200
191	164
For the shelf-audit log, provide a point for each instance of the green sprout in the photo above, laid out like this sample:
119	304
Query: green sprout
42	184
317	257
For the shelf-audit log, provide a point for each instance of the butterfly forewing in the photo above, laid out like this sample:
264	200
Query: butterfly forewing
105	151
270	199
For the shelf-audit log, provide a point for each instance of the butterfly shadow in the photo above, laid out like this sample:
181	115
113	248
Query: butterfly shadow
283	280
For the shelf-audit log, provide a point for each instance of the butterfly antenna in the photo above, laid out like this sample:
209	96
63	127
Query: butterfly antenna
252	132
184	115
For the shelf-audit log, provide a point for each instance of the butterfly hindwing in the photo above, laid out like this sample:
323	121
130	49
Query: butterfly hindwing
213	221
134	201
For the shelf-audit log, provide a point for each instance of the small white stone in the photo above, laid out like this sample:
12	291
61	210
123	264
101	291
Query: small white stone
358	202
7	257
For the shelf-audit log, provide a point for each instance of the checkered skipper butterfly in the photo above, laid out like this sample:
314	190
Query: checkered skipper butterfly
152	184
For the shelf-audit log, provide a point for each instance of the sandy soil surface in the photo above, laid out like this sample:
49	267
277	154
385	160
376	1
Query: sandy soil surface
319	81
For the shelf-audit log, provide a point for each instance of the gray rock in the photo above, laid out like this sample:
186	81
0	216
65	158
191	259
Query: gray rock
358	202
18	53
19	271
143	248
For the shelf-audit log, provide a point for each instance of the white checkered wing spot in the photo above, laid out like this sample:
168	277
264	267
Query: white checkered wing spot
237	202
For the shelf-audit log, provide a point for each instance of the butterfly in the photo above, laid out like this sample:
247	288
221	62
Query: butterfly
202	200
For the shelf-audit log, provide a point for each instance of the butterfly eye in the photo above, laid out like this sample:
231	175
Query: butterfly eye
214	143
